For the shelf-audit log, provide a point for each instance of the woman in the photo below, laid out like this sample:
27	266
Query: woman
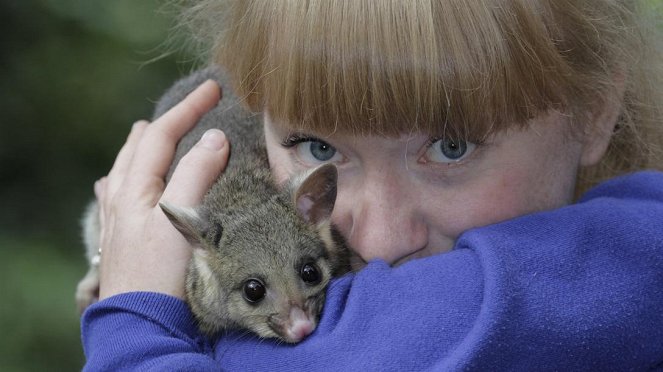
463	133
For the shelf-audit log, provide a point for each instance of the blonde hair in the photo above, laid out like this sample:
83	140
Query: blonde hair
461	68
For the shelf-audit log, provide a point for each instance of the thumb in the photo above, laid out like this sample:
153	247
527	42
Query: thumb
198	170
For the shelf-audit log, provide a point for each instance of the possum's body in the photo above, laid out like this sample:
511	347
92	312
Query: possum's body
263	253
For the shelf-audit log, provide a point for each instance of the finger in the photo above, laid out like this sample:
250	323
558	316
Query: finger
157	147
198	170
123	159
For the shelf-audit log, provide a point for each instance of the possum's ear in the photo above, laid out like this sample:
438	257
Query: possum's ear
188	221
315	194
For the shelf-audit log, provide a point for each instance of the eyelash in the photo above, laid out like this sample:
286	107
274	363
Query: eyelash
294	139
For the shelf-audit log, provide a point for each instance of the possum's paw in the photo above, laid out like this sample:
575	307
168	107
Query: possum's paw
87	291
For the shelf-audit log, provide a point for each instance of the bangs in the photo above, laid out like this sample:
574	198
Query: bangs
460	68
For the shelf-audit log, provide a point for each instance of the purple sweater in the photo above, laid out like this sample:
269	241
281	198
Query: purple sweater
577	288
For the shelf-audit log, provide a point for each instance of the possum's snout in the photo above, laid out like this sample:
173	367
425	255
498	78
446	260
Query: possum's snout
296	326
299	325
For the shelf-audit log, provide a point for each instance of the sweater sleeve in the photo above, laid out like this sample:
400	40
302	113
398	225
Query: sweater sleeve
577	288
143	331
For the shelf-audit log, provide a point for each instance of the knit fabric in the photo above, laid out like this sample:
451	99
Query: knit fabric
576	288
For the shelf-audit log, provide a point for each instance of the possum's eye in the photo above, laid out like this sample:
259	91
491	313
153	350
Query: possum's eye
254	291
310	274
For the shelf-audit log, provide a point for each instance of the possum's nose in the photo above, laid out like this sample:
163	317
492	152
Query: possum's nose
299	325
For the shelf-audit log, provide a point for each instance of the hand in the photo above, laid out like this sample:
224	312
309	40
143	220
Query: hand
141	250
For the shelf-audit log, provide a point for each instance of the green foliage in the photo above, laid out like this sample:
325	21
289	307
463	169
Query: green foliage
37	313
74	76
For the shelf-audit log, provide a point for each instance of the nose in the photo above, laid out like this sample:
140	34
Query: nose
380	219
299	325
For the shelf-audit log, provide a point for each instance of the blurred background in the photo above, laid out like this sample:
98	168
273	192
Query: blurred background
74	76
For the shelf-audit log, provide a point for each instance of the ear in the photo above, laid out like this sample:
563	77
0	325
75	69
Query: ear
187	221
603	122
315	194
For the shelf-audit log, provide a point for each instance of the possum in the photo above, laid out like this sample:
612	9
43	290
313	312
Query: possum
263	254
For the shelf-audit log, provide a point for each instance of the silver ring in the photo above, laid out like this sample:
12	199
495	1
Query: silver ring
96	259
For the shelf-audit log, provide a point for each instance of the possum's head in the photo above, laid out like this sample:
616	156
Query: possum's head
265	269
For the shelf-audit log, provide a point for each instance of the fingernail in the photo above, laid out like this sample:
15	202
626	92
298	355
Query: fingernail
206	83
213	139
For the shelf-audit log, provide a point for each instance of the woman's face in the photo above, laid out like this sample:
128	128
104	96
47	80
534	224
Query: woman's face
412	196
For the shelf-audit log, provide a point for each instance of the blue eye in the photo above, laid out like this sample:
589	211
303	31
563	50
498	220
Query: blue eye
312	151
320	150
447	150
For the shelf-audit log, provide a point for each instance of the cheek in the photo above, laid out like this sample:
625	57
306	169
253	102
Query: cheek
501	196
279	166
523	179
507	195
279	161
476	205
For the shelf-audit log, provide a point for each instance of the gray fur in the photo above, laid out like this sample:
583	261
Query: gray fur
248	227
